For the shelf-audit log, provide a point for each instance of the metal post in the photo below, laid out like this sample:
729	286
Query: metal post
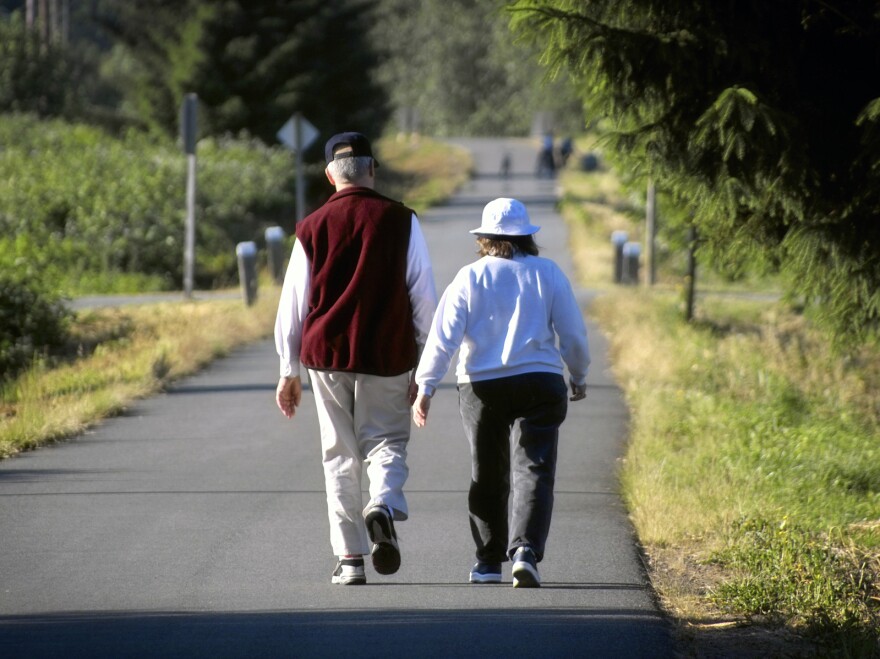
618	238
189	252
631	253
188	134
246	253
275	253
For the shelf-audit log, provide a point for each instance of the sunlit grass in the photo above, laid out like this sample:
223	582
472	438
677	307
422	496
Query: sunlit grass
420	172
752	474
748	406
141	349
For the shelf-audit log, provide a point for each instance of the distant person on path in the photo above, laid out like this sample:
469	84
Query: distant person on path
504	313
546	165
355	309
566	148
505	165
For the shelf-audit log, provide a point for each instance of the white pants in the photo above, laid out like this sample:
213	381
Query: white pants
364	419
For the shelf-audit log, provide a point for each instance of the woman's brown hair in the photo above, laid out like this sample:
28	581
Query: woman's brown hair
504	247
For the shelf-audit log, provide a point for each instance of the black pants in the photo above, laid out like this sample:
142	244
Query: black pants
512	426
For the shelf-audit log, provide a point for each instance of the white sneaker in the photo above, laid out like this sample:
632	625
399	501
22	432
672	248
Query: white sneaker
349	572
525	569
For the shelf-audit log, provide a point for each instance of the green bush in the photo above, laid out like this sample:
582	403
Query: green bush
32	322
817	581
89	209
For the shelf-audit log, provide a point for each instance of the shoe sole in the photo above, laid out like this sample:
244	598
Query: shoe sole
525	576
352	581
485	578
385	554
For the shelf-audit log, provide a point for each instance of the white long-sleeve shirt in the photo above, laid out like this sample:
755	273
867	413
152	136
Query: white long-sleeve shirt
504	317
293	304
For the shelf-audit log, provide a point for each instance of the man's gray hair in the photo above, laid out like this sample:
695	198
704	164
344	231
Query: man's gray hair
350	170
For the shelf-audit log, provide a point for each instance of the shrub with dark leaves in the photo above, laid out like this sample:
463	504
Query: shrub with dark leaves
32	322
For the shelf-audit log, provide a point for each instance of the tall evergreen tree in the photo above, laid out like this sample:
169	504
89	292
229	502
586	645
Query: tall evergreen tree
161	37
263	60
763	117
35	76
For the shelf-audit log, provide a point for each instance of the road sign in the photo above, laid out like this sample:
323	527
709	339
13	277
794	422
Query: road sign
188	123
297	134
288	133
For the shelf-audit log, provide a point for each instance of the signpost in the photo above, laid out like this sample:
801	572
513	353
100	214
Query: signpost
188	133
297	135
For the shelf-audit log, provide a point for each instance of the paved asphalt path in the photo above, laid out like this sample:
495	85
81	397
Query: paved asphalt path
194	525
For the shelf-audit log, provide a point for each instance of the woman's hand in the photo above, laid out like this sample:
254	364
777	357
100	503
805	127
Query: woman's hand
420	410
578	391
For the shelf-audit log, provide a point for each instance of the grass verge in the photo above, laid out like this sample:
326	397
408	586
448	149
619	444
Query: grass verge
420	172
753	470
123	354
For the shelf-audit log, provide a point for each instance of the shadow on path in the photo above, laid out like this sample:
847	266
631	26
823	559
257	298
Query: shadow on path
430	633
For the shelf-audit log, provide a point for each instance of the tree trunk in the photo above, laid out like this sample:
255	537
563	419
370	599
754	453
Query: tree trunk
65	21
691	278
651	235
43	22
54	21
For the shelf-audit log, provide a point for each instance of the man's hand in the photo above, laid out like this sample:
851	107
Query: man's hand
413	390
578	391
420	410
288	394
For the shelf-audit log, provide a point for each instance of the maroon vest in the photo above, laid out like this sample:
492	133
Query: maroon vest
359	316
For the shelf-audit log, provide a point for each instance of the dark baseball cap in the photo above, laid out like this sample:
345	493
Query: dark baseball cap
360	146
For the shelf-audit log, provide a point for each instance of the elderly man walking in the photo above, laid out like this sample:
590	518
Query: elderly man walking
355	309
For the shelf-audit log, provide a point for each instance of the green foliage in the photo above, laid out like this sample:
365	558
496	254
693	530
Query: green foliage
93	211
34	78
470	77
32	322
794	572
344	64
160	38
756	419
244	186
263	61
755	116
253	64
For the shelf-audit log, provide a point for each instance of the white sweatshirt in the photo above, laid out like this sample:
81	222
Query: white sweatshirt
504	317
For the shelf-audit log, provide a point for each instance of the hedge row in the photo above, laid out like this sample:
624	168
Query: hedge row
92	212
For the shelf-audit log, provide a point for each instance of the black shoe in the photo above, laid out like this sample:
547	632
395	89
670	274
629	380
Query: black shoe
485	573
525	569
380	528
349	572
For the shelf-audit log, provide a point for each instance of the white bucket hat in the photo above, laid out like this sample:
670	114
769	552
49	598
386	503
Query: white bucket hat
505	217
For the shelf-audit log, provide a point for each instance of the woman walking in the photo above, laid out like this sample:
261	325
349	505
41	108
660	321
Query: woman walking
514	319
